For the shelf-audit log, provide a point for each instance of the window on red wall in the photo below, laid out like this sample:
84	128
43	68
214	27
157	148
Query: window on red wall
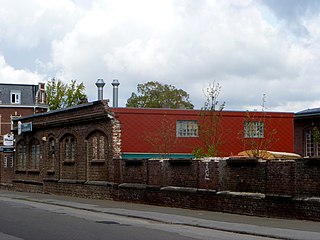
187	128
254	130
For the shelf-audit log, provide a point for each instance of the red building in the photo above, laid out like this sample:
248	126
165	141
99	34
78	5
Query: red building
149	133
18	100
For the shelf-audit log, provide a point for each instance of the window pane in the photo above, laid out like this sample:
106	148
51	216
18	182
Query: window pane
254	130
311	147
187	128
101	147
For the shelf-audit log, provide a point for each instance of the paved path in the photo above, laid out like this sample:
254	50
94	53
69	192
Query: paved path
259	226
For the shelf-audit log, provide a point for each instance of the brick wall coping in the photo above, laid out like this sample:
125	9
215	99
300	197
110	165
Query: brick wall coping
179	189
133	185
33	182
242	194
101	183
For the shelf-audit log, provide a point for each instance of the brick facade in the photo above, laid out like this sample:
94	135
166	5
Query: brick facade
77	152
305	123
76	146
32	100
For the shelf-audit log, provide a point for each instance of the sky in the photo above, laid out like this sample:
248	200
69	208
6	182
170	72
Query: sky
252	48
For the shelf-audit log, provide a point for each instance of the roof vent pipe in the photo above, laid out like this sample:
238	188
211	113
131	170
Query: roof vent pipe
100	84
115	83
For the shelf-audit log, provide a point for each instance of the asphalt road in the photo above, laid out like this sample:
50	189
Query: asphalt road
25	219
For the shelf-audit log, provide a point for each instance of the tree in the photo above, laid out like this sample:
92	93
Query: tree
63	95
163	138
257	137
210	117
157	95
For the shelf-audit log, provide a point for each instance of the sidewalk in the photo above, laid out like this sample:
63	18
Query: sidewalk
259	226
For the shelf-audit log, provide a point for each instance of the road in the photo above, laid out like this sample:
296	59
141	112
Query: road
25	219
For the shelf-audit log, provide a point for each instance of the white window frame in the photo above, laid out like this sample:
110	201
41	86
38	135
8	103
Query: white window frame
8	161
187	128
311	147
254	129
12	117
17	97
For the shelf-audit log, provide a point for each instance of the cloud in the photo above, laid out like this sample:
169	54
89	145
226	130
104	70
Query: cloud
10	75
203	42
248	46
28	28
294	12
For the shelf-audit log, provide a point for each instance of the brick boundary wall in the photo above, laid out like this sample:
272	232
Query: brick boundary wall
281	189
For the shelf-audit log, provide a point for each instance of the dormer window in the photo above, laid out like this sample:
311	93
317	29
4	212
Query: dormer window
15	97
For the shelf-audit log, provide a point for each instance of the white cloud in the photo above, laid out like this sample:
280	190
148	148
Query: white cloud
10	75
243	45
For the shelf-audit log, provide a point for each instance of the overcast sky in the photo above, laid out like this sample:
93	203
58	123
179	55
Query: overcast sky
249	47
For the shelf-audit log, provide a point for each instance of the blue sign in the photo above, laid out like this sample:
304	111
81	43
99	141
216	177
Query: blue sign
7	149
24	127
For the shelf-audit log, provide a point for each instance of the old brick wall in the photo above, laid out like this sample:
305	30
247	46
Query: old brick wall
244	175
135	171
281	177
93	190
274	188
209	174
6	168
307	177
204	184
80	125
253	187
156	172
182	173
7	112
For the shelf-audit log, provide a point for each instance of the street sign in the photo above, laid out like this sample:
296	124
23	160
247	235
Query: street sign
24	127
7	149
8	140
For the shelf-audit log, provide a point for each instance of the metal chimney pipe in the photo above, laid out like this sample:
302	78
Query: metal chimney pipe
115	83
100	84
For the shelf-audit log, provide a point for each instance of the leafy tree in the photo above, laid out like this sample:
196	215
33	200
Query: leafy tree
63	95
210	117
157	95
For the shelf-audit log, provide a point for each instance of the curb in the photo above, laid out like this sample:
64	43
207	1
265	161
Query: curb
238	228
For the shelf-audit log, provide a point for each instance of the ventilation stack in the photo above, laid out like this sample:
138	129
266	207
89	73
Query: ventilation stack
115	83
100	84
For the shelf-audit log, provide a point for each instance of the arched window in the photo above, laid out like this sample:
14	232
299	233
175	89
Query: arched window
101	148
311	147
97	146
51	155
22	156
35	155
68	146
94	147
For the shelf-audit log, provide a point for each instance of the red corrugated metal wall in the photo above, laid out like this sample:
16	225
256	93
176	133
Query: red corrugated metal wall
136	124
